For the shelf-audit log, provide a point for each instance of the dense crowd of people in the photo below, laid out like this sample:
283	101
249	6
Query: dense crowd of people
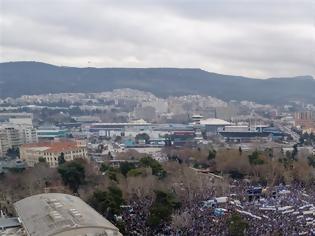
283	210
291	212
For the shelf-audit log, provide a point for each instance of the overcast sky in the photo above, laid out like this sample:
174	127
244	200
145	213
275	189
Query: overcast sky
257	38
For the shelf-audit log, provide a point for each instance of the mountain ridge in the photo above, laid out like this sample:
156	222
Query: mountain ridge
144	68
29	78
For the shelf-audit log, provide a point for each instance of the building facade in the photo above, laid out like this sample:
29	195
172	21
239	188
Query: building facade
305	120
50	133
51	151
13	135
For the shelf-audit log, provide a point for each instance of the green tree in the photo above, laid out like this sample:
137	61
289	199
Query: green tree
107	203
61	159
236	225
110	171
142	136
212	154
156	167
254	158
294	152
240	150
112	174
72	174
125	167
311	161
104	167
162	208
136	172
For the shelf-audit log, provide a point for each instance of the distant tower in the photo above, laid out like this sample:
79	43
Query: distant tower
197	118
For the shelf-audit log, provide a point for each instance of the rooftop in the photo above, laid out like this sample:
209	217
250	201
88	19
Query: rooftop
59	146
9	222
214	121
61	214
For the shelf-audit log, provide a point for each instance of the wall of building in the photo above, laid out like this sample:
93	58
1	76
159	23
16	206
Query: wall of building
12	136
32	154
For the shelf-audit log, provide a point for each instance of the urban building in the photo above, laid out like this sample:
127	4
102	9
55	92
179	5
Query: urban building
21	121
197	118
110	129
211	125
9	225
6	116
183	138
87	119
50	151
241	134
13	135
50	133
61	215
4	142
305	120
14	164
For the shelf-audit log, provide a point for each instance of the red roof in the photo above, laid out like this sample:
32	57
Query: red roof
58	146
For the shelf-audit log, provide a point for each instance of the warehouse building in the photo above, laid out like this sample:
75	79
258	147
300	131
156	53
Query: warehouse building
61	215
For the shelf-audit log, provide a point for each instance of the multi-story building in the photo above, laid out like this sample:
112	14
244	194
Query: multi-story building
50	151
12	136
4	142
305	120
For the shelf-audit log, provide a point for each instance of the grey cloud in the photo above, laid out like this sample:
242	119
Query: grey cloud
253	38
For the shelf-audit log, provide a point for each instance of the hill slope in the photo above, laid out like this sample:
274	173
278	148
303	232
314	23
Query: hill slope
20	78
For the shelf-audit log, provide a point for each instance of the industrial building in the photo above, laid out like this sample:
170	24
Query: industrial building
241	134
61	215
50	133
114	129
211	125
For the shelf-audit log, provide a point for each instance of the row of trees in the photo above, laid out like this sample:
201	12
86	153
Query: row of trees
268	166
132	169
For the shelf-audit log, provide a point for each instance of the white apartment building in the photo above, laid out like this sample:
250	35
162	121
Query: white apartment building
13	135
4	143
